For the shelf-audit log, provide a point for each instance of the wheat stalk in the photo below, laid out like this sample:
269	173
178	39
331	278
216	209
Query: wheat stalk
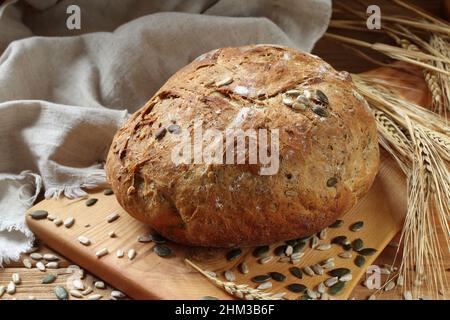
241	291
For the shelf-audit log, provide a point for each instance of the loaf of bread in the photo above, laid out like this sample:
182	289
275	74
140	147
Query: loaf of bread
321	142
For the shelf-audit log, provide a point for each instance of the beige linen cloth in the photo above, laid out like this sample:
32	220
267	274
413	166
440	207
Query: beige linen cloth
64	93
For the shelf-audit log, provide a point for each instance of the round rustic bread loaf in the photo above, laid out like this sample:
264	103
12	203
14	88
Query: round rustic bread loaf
328	151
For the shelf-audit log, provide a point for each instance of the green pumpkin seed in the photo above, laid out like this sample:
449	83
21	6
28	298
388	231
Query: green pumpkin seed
367	251
61	293
162	251
337	224
296	272
233	254
49	278
174	128
261	278
91	202
108	192
339	272
339	240
299	247
279	251
358	225
320	111
39	214
208	298
331	182
360	261
297	287
336	288
321	97
357	244
277	276
261	251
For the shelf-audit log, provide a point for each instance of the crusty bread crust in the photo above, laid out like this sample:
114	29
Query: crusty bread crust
225	205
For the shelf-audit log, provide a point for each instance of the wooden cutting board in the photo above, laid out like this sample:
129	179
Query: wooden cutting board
149	276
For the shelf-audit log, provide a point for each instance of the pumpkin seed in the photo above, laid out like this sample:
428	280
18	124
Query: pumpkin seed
265	260
174	128
75	293
11	288
296	272
39	214
323	234
233	254
52	265
84	240
61	293
288	101
372	297
277	276
243	267
317	269
407	295
284	259
324	296
328	265
102	252
321	288
299	247
40	266
51	217
264	285
261	278
49	278
208	298
345	255
331	281
314	241
308	271
261	251
95	297
145	238
162	251
87	291
50	257
117	294
323	247
360	261
321	97
297	256
131	254
331	182
108	192
346	277
320	111
112	217
357	226
78	284
68	222
289	250
224	81
15	277
280	250
367	251
312	294
293	92
296	287
90	202
339	240
336	288
27	263
36	256
336	224
389	286
339	272
400	280
357	244
297	105
2	291
160	133
229	275
99	285
58	222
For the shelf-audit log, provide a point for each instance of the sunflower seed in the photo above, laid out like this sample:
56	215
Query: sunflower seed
367	251
279	295
224	81
308	271
39	214
50	257
314	242
99	285
317	269
336	288
385	271
102	252
131	254
357	226
321	97
49	278
261	278
160	133
339	240
87	291
407	295
400	280
117	294
78	284
229	275
61	293
112	217
293	92
346	277
331	281
90	202
321	112
120	253
58	222
145	238
162	251
261	251
95	296
324	296
11	288
277	276
75	293
323	234
312	294
345	255
297	256
84	240
323	247
27	263
296	272
108	192
264	285
40	266
52	265
284	259
328	265
36	256
296	287
321	288
68	222
372	297
360	261
289	250
243	268
339	272
2	291
51	217
336	224
331	182
389	286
